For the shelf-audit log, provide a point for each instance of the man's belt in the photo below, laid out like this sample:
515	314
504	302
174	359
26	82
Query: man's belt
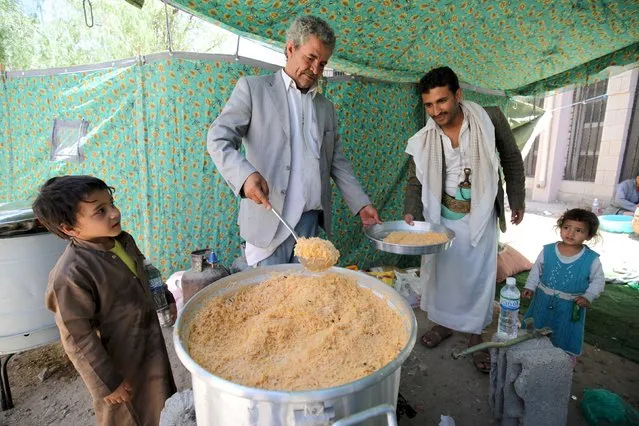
455	205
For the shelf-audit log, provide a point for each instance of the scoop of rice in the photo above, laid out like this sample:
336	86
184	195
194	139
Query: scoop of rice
316	254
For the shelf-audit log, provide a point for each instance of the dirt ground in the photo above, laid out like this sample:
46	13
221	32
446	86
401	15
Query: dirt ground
432	382
435	384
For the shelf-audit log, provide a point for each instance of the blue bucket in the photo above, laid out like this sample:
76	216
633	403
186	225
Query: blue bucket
616	223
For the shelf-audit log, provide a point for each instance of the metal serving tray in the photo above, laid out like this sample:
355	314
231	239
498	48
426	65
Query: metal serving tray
377	233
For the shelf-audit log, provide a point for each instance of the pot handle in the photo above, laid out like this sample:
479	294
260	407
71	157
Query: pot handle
386	409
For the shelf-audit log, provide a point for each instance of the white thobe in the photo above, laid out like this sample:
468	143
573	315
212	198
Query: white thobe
459	284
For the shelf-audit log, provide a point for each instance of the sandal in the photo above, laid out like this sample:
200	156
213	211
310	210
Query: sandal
481	361
433	337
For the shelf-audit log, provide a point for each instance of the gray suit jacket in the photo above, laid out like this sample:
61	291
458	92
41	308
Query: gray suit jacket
256	115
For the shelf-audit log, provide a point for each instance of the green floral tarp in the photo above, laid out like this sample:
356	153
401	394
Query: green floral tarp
519	46
147	138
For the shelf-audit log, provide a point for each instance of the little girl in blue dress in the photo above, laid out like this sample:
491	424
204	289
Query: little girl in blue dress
564	280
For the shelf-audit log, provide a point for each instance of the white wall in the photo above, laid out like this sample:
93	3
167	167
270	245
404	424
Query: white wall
553	147
548	184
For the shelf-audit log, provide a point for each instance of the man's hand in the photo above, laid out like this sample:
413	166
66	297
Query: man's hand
256	188
120	395
369	215
409	219
517	216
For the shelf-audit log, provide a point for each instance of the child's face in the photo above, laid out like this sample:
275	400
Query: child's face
97	219
574	233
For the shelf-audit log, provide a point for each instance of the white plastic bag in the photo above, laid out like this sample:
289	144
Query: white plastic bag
174	283
408	284
179	410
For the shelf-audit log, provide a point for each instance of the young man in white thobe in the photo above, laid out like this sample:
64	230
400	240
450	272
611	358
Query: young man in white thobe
454	179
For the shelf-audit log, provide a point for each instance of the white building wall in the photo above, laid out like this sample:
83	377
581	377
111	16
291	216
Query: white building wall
553	147
548	184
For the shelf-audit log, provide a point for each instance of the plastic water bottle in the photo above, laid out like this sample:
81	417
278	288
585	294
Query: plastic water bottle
156	285
508	310
596	207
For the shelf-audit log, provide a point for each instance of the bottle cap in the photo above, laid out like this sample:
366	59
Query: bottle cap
511	281
212	258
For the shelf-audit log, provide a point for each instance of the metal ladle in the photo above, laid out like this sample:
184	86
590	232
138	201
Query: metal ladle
285	223
310	264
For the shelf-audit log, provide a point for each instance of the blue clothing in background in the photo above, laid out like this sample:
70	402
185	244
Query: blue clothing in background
627	195
553	310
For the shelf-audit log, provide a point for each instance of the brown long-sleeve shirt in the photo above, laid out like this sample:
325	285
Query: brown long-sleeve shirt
110	330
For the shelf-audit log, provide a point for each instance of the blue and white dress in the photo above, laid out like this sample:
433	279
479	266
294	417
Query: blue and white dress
557	280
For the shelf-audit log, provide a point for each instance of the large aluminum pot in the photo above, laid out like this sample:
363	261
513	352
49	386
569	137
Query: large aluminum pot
219	402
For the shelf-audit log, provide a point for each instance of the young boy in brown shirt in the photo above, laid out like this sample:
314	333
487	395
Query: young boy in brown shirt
99	293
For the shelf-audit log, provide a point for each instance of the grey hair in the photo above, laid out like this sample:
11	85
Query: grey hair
304	27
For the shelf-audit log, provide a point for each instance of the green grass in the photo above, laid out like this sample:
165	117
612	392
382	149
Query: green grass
612	322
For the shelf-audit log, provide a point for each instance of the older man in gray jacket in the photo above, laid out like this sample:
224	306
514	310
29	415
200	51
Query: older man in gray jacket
289	132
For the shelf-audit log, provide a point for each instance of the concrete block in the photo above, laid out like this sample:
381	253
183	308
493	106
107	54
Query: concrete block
620	118
604	148
609	182
497	379
530	382
513	403
544	386
500	382
607	163
613	133
570	198
623	82
604	190
574	187
619	101
613	85
614	148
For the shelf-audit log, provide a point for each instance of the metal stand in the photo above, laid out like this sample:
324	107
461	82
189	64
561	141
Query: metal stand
5	390
15	344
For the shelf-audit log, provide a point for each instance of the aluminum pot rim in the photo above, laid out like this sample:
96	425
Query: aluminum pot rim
259	394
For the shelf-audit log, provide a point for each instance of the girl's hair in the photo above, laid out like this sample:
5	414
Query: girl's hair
581	215
59	200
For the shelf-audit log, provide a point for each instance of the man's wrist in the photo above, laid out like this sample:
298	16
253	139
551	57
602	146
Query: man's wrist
362	209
